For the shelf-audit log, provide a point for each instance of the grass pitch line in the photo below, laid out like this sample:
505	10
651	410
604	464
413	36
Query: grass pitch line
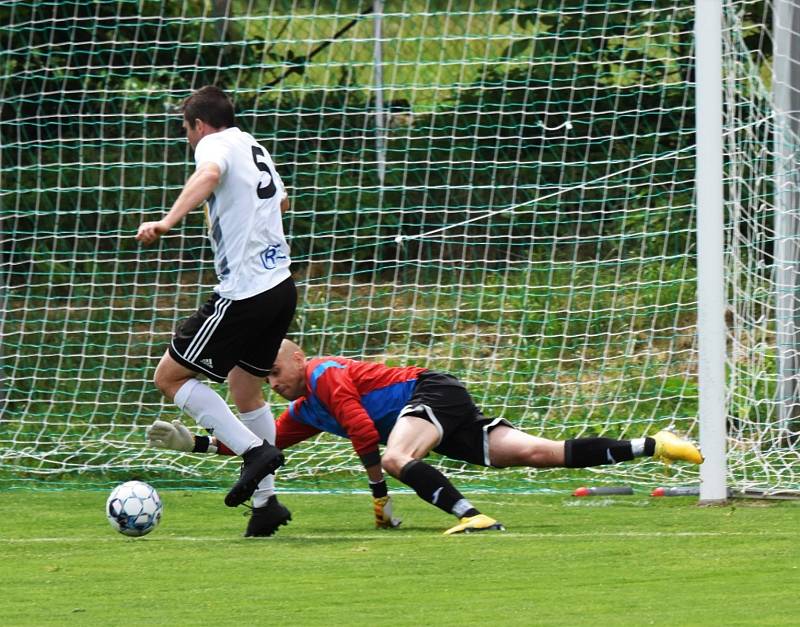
397	536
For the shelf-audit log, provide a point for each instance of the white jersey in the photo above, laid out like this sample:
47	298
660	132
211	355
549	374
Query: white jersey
244	215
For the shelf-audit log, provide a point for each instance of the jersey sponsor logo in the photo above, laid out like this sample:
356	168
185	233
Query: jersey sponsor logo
270	256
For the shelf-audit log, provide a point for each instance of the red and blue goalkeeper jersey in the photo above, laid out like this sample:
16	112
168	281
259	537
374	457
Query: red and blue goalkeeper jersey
353	399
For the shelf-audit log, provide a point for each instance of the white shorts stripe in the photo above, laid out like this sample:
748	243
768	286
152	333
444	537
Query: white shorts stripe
201	337
241	361
414	409
195	364
486	428
207	330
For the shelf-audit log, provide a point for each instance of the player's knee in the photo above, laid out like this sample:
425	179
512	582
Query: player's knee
392	462
167	385
160	381
545	455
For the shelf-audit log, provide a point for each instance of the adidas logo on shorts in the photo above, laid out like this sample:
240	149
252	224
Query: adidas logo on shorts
207	362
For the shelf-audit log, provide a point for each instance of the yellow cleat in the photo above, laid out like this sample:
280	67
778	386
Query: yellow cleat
669	447
473	524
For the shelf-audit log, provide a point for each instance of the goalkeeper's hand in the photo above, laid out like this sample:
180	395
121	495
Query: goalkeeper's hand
383	513
170	435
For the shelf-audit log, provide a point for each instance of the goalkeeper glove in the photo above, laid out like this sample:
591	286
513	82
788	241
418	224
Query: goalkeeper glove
383	513
382	504
170	435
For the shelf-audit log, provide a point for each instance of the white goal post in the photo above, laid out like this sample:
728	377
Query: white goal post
710	249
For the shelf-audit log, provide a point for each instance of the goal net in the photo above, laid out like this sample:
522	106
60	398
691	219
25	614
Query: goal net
500	190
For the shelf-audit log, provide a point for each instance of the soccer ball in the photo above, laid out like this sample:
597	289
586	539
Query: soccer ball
133	508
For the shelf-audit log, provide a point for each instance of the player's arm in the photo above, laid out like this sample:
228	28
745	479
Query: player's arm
337	391
289	431
175	436
197	189
339	394
284	194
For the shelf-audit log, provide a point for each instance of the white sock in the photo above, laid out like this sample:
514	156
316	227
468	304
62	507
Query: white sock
461	507
637	447
211	412
261	422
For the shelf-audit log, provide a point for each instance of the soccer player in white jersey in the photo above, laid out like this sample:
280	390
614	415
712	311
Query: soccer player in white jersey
236	334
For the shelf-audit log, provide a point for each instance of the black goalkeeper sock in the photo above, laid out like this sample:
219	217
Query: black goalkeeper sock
433	487
584	452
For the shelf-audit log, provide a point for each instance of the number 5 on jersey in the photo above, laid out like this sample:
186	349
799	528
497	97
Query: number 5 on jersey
268	190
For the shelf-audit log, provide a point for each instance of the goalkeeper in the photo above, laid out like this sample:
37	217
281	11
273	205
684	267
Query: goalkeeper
414	411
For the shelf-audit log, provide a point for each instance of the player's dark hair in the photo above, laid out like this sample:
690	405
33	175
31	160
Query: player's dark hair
211	105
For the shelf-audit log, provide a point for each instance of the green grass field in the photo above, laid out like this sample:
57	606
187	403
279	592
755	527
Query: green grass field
564	561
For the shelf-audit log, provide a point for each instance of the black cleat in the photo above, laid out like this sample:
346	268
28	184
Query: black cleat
264	521
257	463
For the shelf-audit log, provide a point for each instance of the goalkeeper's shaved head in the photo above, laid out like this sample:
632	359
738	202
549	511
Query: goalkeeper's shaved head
288	374
288	347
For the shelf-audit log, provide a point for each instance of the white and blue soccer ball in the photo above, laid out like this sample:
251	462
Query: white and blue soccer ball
134	508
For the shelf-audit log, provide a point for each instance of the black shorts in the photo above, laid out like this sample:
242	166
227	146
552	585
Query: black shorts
442	400
225	333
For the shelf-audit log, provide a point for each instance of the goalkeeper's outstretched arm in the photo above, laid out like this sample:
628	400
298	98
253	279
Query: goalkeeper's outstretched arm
174	436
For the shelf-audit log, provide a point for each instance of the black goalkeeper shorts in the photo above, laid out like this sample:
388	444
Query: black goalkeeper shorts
442	400
225	333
